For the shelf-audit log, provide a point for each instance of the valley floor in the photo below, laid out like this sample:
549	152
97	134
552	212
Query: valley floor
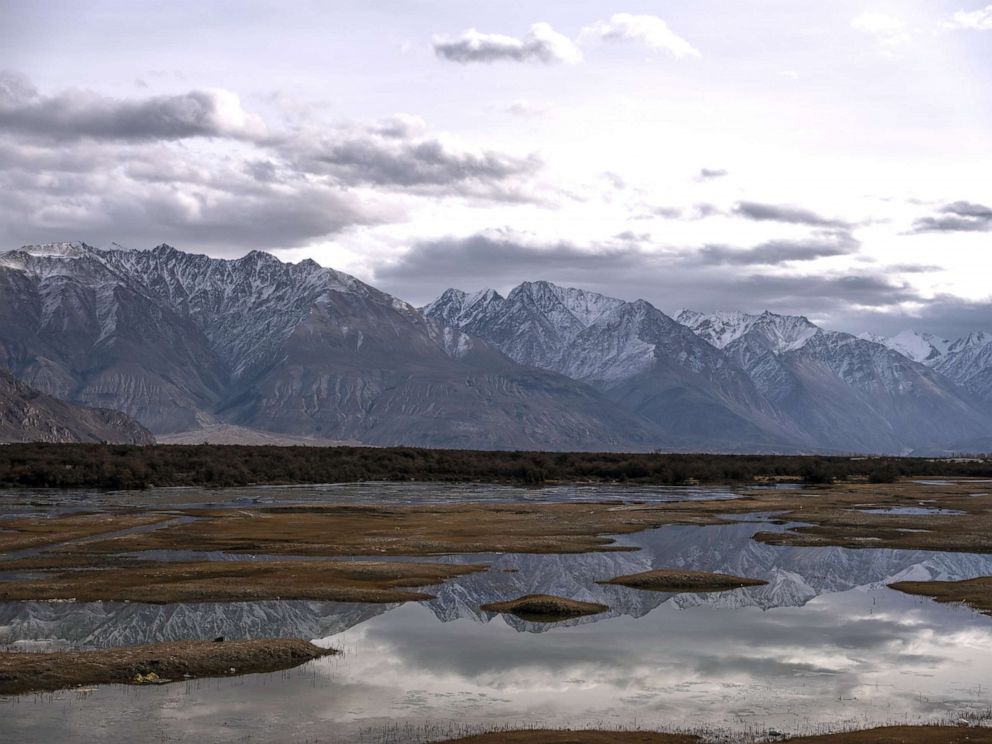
390	552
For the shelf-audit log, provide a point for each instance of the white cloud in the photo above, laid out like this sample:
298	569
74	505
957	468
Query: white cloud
887	30
646	29
542	44
976	20
525	108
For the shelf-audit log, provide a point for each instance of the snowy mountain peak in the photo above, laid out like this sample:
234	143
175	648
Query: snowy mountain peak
65	249
582	306
780	333
925	348
975	340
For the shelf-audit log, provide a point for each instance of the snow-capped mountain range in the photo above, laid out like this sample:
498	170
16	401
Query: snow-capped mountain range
182	342
774	379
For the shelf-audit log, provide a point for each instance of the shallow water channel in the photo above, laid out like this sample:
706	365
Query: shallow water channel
824	644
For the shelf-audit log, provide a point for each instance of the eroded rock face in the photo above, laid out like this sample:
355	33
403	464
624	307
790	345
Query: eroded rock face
739	381
181	341
27	415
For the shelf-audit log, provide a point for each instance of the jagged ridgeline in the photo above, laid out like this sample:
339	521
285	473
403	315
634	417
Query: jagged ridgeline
186	343
760	381
182	341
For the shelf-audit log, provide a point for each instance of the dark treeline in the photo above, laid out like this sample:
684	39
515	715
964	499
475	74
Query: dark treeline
125	466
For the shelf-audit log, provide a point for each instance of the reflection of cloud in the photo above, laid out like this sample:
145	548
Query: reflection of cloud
888	655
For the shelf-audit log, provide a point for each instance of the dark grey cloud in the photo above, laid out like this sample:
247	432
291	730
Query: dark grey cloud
945	316
498	255
698	211
959	216
668	279
158	197
776	252
367	159
785	213
77	114
542	44
912	268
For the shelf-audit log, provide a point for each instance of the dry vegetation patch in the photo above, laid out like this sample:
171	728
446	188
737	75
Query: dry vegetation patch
22	672
890	735
240	581
976	593
35	532
678	580
545	608
577	737
905	735
408	529
842	515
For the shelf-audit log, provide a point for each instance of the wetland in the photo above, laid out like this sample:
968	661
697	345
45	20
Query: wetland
747	611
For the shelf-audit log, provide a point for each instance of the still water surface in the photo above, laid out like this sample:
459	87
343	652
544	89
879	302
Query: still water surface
824	644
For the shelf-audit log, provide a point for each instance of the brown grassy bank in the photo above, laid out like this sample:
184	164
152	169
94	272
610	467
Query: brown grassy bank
677	580
35	672
237	581
545	608
25	533
835	516
577	737
976	593
890	735
905	735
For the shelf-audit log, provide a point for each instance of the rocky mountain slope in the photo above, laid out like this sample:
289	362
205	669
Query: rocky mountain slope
181	341
848	393
186	343
27	415
634	353
753	381
967	361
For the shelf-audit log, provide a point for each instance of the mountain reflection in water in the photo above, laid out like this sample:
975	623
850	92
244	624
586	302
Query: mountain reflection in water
825	642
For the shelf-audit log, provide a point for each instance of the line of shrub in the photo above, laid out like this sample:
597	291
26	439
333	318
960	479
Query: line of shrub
127	467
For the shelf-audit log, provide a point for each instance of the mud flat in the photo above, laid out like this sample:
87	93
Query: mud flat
425	529
677	580
937	516
892	735
545	608
946	517
32	532
86	556
906	735
22	672
976	593
577	737
239	581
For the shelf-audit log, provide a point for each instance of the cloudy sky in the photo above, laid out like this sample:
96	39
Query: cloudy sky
830	159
